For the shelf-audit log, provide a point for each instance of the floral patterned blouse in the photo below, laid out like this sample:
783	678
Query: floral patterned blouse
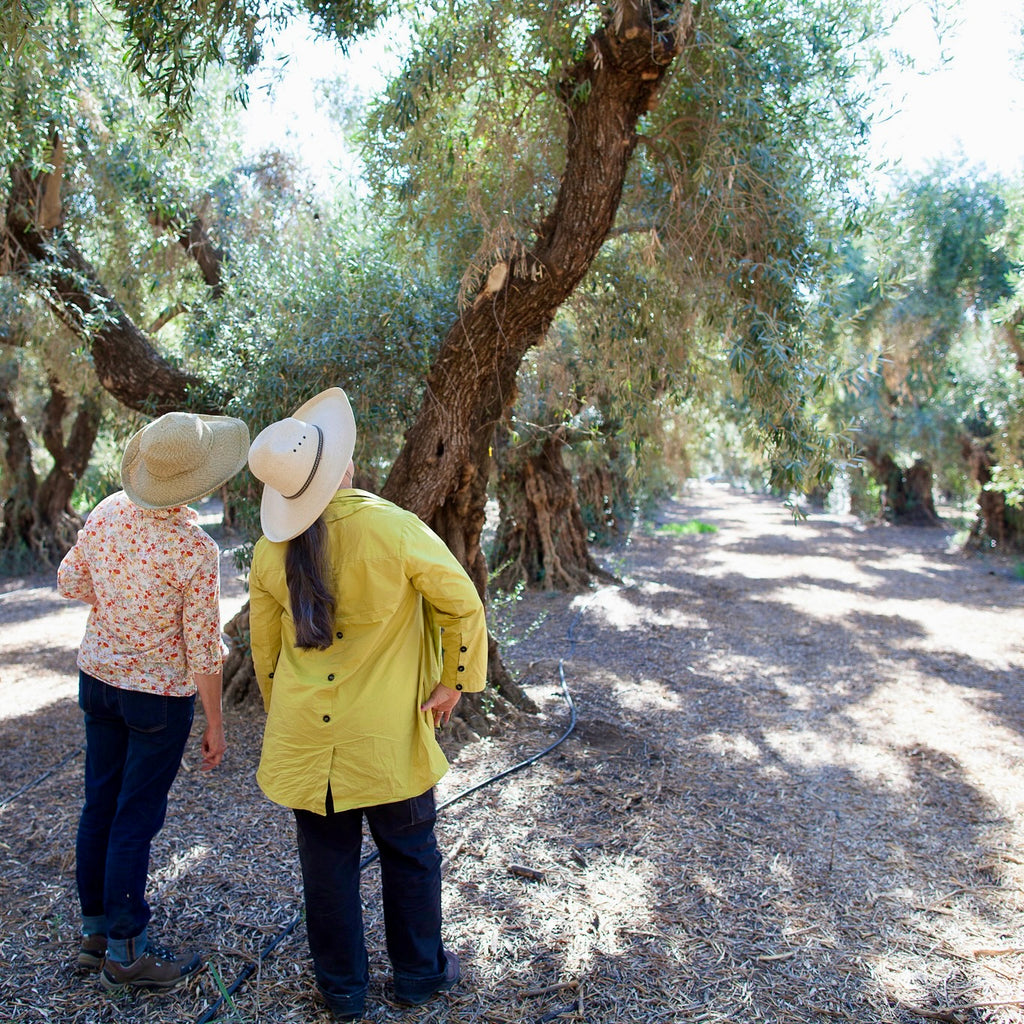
153	580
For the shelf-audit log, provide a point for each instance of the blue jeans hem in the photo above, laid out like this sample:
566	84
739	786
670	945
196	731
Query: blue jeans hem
344	1005
127	951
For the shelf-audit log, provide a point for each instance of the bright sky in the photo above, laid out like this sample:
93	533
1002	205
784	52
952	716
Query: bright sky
970	104
284	110
973	103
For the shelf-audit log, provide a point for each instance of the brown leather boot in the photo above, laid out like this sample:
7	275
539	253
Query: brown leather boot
91	952
156	968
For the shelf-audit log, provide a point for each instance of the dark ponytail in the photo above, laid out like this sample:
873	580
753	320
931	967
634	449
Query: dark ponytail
307	568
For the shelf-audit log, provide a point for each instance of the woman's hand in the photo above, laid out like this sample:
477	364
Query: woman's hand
214	746
442	703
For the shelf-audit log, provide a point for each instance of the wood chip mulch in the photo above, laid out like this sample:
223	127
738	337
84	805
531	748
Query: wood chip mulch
793	794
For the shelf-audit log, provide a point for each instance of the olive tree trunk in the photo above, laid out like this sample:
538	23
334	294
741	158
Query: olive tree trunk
541	538
907	494
443	468
37	515
127	364
997	523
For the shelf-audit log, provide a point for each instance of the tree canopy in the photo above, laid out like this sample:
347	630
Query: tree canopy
668	190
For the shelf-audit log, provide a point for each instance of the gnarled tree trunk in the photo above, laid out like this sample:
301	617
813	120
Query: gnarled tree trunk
996	523
127	364
907	494
541	539
441	472
39	516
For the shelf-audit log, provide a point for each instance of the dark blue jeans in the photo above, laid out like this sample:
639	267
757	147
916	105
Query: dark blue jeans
134	743
410	864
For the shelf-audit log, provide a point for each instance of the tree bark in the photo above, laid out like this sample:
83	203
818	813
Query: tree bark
907	494
70	461
39	516
442	471
997	524
541	538
127	364
195	239
21	483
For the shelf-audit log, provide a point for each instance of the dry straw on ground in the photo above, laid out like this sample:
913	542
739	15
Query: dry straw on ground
793	795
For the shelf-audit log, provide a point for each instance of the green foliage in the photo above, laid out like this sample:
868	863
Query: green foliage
44	47
170	46
501	614
916	312
692	526
103	476
1008	480
313	300
727	221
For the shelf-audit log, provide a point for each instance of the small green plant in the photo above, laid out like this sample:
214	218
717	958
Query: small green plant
233	1012
1018	571
501	607
691	526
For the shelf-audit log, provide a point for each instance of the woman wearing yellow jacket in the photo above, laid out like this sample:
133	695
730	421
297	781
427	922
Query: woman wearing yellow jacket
365	632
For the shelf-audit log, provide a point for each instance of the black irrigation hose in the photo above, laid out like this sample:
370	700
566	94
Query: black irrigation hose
249	969
42	778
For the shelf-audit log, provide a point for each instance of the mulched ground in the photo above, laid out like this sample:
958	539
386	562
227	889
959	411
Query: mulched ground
793	794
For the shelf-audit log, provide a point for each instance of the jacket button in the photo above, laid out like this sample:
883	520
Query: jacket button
463	649
462	668
458	686
327	718
339	635
271	675
330	678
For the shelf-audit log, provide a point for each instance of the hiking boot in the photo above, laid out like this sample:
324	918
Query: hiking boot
451	976
92	952
157	968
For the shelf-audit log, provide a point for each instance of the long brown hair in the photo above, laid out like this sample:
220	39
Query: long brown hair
307	568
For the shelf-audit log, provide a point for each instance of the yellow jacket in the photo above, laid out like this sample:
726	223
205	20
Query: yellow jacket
350	715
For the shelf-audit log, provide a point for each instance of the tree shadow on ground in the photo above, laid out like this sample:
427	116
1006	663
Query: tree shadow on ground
764	813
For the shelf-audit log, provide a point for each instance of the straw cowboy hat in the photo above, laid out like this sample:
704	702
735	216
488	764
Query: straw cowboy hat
301	461
181	457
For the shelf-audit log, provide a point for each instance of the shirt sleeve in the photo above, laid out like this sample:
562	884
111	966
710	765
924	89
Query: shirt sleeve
201	615
264	629
436	573
74	578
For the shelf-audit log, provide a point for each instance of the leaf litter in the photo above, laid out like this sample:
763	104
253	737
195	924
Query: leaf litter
793	794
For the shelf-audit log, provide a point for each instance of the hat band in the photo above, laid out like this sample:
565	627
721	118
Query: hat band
312	472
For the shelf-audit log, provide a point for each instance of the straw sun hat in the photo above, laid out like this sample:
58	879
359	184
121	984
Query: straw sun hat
180	457
301	461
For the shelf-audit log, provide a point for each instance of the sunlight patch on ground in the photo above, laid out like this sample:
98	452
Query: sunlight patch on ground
620	610
735	746
889	728
945	719
833	590
180	864
16	699
812	750
586	914
648	695
709	885
781	870
930	625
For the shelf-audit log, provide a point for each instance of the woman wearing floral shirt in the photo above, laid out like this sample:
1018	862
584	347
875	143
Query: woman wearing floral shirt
152	642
